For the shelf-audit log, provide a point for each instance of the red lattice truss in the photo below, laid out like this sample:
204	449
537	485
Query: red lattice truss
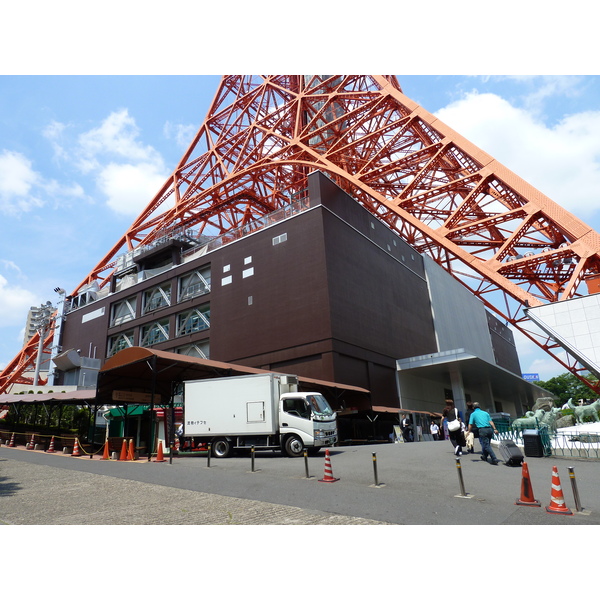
508	243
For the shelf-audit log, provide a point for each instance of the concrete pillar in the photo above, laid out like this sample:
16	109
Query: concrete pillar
458	390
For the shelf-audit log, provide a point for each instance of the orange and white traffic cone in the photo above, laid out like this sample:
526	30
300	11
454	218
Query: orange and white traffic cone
76	451
131	452
160	456
328	475
105	454
557	501
527	498
51	447
11	444
123	450
31	444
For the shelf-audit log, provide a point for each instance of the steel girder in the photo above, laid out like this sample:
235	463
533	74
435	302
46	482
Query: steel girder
508	243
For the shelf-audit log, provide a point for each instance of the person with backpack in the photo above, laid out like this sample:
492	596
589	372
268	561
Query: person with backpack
455	432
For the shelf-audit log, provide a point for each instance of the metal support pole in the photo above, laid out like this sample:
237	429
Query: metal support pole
460	479
574	486
252	457
306	464
38	360
375	468
208	455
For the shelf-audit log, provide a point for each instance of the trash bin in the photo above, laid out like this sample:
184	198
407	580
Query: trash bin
532	443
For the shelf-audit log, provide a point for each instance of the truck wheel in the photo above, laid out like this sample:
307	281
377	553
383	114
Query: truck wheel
221	448
293	446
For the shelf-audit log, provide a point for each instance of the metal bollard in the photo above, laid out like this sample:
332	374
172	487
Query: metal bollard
375	468
306	464
463	493
208	456
252	456
574	486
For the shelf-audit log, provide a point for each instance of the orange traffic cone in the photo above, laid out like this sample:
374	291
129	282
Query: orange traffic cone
105	455
123	450
527	498
12	441
328	476
131	453
159	456
76	451
557	501
51	447
31	444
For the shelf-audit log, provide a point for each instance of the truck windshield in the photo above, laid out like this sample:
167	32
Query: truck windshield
319	405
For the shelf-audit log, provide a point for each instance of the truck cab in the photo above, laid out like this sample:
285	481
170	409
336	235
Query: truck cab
306	420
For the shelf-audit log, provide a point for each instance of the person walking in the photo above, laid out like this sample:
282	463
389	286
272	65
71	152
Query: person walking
434	430
455	433
470	435
482	420
406	426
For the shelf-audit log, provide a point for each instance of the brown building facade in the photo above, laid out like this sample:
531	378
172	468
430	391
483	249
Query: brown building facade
324	291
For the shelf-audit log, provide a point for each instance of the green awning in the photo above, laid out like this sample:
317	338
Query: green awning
132	411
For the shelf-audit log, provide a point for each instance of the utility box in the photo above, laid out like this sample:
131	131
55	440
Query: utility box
532	443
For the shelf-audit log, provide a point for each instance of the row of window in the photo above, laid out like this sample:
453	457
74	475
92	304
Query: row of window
191	321
190	285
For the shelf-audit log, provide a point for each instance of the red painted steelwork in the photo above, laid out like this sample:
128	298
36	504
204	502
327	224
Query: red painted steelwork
504	240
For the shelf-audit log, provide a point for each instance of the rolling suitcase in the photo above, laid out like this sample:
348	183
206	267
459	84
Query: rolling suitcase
511	454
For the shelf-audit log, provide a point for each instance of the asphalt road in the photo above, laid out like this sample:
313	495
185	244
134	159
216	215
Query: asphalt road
417	484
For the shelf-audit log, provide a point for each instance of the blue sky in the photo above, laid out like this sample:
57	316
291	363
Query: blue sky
80	156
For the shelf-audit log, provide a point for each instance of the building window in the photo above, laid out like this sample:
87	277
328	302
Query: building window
124	311
279	239
154	333
194	320
119	342
199	349
194	284
157	297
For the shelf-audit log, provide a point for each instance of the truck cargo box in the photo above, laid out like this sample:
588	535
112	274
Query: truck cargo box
232	405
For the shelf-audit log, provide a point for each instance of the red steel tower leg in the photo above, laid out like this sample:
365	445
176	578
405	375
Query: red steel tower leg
510	245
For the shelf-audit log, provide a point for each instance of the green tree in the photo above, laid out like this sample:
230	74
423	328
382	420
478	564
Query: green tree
567	386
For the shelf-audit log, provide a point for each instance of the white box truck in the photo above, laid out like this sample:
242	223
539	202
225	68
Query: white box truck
265	411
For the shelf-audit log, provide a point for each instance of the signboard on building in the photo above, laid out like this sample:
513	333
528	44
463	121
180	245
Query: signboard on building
531	376
139	397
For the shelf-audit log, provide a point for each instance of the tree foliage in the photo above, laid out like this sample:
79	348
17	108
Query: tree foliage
567	386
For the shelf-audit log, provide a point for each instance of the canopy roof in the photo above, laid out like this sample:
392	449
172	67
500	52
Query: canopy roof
76	397
142	375
148	371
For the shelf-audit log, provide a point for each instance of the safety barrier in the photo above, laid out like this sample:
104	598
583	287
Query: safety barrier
42	441
72	445
560	444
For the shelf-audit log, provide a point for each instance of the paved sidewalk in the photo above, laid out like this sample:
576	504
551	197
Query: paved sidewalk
419	486
33	494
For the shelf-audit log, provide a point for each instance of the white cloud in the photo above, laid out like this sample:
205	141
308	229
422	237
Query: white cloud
15	301
22	189
128	187
561	161
17	180
126	171
117	136
53	132
182	134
